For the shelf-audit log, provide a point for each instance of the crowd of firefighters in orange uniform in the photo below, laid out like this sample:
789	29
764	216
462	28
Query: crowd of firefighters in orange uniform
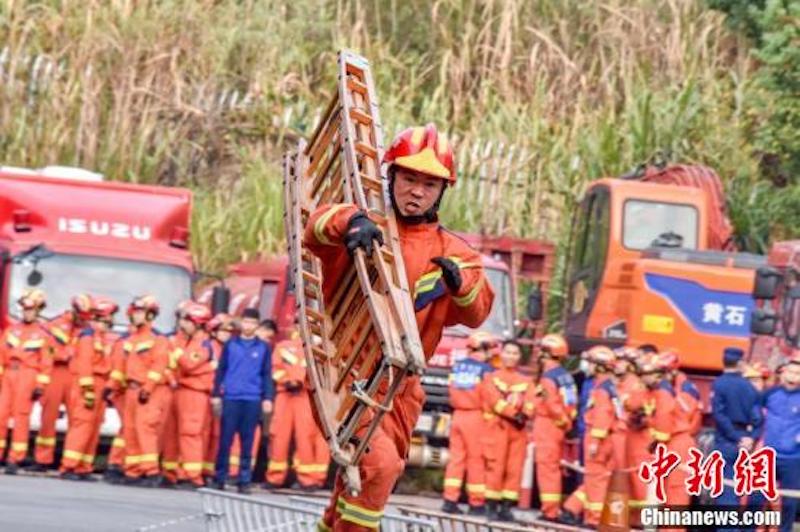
638	398
169	433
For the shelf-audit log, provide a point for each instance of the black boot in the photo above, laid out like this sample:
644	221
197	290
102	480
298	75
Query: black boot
113	474
244	489
152	481
11	469
505	511
449	507
568	518
70	475
491	511
37	468
478	511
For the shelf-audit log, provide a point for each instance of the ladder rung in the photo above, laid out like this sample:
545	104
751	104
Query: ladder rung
361	116
372	183
319	353
355	85
366	149
316	316
311	278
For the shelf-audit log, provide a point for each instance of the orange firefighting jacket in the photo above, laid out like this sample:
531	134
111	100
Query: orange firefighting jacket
604	409
288	364
28	345
419	244
146	358
92	356
194	363
65	332
466	390
633	395
507	393
690	408
556	396
677	409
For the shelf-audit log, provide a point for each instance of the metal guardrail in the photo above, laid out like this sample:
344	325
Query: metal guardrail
228	512
459	523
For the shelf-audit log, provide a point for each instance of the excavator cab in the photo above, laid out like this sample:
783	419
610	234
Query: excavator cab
640	272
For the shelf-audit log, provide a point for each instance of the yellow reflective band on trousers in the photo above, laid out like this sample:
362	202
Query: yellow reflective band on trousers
85	381
581	496
192	467
595	506
209	466
19	446
494	495
476	488
73	455
234	460
452	483
358	514
149	458
118	442
510	495
636	503
550	497
278	466
45	441
309	468
322	527
87	458
133	459
169	466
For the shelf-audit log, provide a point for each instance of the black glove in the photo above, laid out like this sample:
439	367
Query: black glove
37	393
637	420
361	231
652	447
293	386
519	420
450	272
144	396
107	393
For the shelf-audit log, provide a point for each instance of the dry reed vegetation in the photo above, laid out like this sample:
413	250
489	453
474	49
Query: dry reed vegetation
542	96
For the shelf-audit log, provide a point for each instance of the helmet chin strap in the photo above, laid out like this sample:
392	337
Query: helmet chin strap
429	216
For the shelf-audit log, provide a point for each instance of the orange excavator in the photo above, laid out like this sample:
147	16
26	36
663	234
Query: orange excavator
652	261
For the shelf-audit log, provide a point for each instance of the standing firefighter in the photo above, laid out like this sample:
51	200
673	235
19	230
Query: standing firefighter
556	409
26	361
448	285
293	419
65	330
602	413
146	359
92	365
468	427
508	405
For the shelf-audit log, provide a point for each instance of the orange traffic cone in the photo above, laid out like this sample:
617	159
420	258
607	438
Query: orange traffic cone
615	514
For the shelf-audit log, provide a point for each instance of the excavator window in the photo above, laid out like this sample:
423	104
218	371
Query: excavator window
591	243
656	224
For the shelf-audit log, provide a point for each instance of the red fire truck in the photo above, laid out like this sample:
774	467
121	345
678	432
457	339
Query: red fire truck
66	231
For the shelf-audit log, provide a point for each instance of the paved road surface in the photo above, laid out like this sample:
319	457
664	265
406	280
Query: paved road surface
39	504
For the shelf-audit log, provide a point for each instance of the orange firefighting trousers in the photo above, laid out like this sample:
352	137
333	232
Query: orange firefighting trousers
212	443
57	393
116	456
380	467
676	488
192	419
466	457
15	402
83	434
591	495
293	417
505	456
141	431
636	445
549	441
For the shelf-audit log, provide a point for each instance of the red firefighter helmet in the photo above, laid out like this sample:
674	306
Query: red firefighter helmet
103	308
32	298
82	306
756	370
481	340
221	321
197	313
555	345
601	355
180	310
628	353
667	360
425	150
145	302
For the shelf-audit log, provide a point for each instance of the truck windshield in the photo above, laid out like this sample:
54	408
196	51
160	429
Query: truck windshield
501	319
647	221
64	276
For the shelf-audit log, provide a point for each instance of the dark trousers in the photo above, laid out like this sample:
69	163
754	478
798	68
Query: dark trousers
240	417
788	477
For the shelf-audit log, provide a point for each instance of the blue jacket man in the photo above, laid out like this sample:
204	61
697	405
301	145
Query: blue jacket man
782	433
243	388
736	409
